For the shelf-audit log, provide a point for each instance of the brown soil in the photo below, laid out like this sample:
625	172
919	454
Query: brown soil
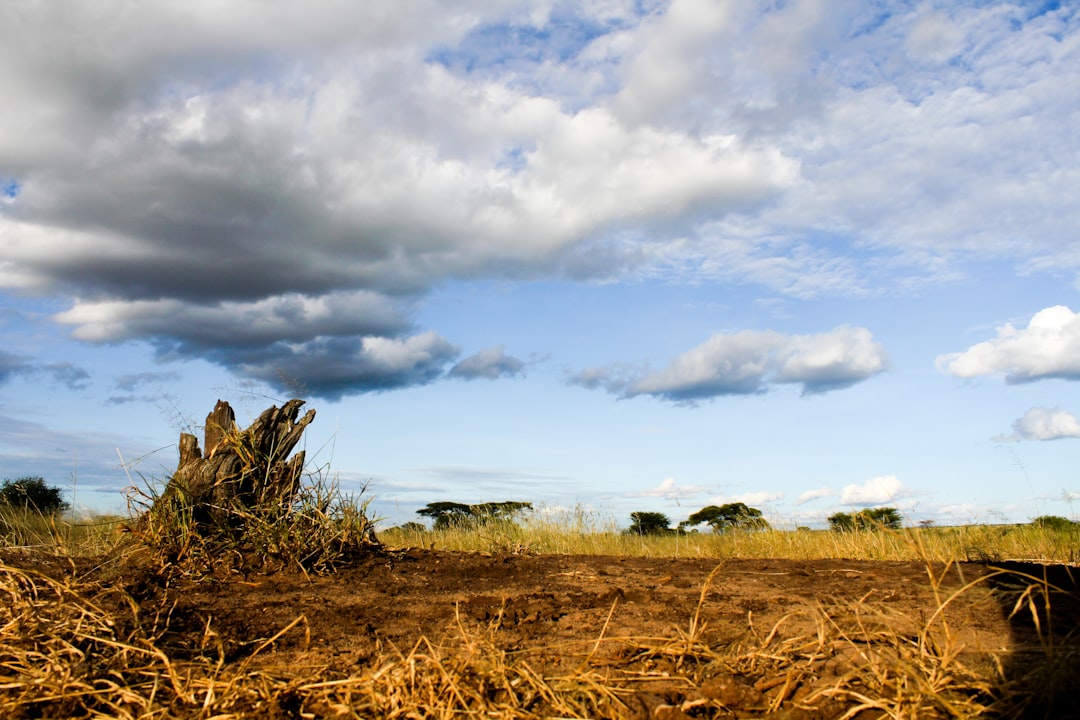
559	608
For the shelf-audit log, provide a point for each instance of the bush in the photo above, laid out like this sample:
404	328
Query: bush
1053	522
31	493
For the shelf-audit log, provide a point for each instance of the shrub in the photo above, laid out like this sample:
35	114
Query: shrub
1053	522
31	492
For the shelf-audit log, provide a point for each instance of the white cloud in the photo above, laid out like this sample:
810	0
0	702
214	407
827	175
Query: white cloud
1041	423
815	494
757	497
747	362
671	490
875	491
1049	347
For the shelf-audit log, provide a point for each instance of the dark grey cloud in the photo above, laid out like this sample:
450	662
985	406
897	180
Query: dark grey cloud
490	364
134	381
749	362
12	365
335	367
130	384
66	373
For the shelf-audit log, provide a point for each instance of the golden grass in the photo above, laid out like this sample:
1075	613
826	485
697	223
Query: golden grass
60	534
575	535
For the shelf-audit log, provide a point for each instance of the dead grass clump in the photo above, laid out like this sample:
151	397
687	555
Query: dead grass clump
317	532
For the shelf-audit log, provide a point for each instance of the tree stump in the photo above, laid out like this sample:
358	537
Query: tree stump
240	470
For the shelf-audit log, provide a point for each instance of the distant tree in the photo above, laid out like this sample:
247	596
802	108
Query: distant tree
32	493
728	517
842	521
649	523
1053	522
452	514
413	527
888	517
446	514
868	519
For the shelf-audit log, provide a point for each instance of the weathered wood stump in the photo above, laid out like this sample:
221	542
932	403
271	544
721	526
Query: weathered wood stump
240	470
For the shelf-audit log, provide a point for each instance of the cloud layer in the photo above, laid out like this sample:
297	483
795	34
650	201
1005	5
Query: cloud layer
749	362
276	190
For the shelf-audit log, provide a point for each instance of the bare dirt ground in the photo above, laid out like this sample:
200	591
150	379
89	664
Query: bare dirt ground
561	609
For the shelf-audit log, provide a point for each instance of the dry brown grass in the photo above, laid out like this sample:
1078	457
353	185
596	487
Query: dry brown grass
71	646
74	648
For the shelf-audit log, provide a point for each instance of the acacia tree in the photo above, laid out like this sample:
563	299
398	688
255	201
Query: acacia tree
867	519
453	514
32	493
645	522
727	517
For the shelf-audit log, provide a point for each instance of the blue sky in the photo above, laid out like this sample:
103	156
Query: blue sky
611	255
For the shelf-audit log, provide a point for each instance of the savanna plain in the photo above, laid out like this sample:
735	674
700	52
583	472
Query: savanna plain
311	616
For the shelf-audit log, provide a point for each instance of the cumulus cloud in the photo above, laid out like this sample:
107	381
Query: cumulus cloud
1049	347
489	364
875	491
1041	423
749	362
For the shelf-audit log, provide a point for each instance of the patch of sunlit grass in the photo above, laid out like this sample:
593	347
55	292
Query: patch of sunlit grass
584	534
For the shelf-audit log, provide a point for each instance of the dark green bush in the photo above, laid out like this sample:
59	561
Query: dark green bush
32	493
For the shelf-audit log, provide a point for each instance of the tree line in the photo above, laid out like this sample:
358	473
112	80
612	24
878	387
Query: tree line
719	518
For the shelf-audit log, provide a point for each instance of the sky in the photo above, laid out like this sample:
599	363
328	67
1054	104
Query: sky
601	256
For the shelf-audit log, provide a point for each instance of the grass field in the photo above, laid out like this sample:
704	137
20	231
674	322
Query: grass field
74	642
581	534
